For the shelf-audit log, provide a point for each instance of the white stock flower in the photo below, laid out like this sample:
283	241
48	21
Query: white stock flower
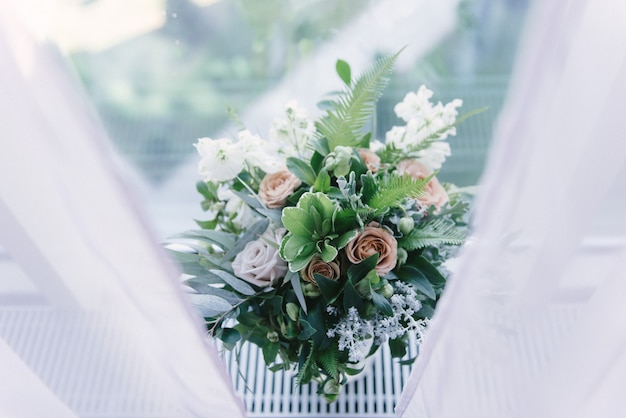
260	153
435	155
221	159
294	132
414	104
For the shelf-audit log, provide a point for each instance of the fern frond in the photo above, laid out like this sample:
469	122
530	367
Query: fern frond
304	375
353	108
432	234
328	360
394	189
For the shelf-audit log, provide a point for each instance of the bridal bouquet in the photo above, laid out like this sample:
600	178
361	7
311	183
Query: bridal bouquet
323	243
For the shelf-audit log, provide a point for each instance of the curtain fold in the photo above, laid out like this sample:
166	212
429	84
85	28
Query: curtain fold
110	332
530	323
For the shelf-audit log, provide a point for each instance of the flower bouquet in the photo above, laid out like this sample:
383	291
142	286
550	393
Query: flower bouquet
322	244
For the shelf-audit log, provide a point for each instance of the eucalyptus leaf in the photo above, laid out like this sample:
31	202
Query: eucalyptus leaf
252	234
302	170
210	305
235	282
222	239
202	287
294	279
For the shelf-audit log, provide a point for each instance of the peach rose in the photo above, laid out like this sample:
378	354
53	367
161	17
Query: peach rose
318	266
371	159
276	187
434	193
374	240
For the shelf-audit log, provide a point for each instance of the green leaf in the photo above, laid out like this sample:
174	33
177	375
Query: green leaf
298	221
321	147
397	346
229	335
381	303
431	272
352	298
206	224
354	107
236	283
302	170
344	239
307	330
330	289
432	234
417	279
221	239
270	351
328	253
252	234
393	190
356	272
209	305
205	288
328	360
343	70
294	279
248	199
322	182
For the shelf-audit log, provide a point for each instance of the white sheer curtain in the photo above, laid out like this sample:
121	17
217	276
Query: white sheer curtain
92	321
532	324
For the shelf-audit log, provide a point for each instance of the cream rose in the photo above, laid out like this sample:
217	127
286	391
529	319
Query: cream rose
374	240
276	187
318	266
434	193
371	159
259	262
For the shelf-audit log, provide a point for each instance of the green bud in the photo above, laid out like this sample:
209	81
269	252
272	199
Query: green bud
310	290
363	287
401	256
293	311
387	291
272	336
406	224
373	277
331	387
338	161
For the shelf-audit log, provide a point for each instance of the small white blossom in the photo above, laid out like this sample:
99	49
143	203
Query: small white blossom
435	155
239	212
414	104
221	159
294	132
260	153
352	330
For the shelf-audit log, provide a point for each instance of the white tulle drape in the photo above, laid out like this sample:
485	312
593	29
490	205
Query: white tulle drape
532	324
92	321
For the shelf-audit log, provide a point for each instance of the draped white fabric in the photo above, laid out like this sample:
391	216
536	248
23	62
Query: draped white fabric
92	321
532	324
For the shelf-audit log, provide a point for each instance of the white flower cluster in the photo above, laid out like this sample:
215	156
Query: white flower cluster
222	159
294	132
352	331
405	304
427	124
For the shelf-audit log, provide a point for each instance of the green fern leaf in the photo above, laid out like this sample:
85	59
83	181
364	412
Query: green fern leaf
304	375
431	234
328	360
394	189
353	108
